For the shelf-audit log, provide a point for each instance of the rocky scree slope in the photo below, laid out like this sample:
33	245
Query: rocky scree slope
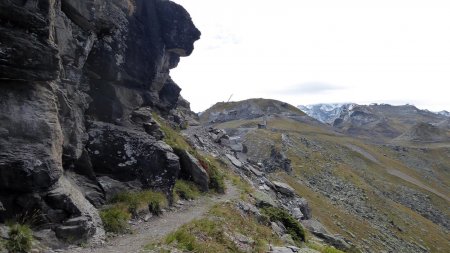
79	83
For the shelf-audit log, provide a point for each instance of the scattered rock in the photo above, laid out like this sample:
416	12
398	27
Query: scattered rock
278	228
262	199
154	129
248	208
236	147
335	241
287	238
256	172
314	226
234	161
296	213
284	188
147	217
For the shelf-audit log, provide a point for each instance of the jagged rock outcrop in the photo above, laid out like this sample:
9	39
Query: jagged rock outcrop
79	81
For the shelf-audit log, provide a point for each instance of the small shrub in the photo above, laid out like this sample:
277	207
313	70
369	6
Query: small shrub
115	219
20	238
293	227
186	190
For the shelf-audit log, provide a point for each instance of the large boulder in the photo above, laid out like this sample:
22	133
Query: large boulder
234	160
284	188
80	219
263	199
191	169
126	155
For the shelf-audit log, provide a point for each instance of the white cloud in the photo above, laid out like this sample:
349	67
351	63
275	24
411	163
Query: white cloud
372	51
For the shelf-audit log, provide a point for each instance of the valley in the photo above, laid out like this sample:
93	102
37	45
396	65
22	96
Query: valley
380	196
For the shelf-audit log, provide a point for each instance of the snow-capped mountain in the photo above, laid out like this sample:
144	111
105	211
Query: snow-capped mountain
326	113
444	113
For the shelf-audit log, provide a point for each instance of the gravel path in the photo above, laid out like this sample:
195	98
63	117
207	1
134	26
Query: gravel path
158	227
412	180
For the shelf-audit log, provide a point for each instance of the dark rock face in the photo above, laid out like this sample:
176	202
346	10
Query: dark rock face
64	63
127	155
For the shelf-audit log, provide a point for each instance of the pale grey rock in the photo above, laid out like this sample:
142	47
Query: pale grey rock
284	188
234	160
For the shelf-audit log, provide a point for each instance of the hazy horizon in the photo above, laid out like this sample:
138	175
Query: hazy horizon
304	52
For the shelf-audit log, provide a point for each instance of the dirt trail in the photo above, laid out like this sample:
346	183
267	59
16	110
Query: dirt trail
157	228
412	180
397	173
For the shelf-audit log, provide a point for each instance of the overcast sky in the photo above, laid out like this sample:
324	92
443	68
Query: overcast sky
319	51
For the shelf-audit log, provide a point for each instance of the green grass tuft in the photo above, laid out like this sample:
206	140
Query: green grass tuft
136	201
186	190
328	249
324	248
115	219
184	239
293	227
215	232
20	238
171	136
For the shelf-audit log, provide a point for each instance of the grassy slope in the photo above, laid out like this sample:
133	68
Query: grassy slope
367	175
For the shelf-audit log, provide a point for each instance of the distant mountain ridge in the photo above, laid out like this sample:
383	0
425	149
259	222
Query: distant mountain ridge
375	121
326	113
445	113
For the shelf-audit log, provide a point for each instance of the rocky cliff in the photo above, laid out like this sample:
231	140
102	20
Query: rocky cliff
79	84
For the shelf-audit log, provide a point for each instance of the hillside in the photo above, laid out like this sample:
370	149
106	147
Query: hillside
248	109
425	132
379	197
